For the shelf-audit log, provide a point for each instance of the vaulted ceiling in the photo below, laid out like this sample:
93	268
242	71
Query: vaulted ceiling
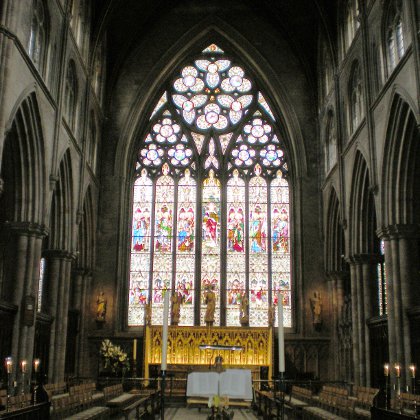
127	22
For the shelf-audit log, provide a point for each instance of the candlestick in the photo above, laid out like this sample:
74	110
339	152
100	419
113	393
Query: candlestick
37	362
9	365
165	331
397	368
386	369
135	349
23	366
280	332
412	369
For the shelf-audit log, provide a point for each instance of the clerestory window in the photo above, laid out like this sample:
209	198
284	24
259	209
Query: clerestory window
38	40
395	35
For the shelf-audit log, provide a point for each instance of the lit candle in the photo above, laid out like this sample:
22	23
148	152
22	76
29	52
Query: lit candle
280	332
386	369
9	364
37	362
135	349
23	365
397	370
165	331
412	368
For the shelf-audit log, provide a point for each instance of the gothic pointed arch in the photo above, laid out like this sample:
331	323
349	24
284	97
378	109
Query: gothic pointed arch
192	42
22	167
23	179
62	207
334	249
211	198
86	234
362	210
401	165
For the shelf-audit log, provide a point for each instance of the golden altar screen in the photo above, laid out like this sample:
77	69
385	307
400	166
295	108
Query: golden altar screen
184	342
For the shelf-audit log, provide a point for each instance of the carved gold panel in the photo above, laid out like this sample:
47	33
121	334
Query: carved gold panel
184	342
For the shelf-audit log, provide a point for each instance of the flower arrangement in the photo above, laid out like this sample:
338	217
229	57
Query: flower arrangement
114	358
219	408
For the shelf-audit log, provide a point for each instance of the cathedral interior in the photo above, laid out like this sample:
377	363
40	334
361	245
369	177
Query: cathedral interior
235	156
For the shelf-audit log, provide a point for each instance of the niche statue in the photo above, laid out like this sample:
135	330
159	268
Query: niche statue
316	307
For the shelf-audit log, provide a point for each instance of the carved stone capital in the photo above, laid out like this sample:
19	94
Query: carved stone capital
358	259
53	181
58	254
409	231
28	228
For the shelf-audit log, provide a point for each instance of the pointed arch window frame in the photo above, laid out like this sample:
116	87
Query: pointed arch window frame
208	153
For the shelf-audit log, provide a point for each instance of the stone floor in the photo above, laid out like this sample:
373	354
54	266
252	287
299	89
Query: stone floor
174	413
182	413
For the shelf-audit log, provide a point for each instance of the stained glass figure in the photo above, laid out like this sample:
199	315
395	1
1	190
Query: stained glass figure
185	259
236	214
211	213
258	253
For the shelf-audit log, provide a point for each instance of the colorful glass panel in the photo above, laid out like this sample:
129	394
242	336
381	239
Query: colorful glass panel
164	214
235	260
258	250
280	245
41	277
185	252
210	242
140	249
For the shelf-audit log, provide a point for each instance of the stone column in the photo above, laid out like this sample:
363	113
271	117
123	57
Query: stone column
332	291
364	302
28	242
58	284
355	321
395	306
370	305
361	326
404	280
83	367
392	329
81	278
335	286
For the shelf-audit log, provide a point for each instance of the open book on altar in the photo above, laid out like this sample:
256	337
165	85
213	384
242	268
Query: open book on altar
235	383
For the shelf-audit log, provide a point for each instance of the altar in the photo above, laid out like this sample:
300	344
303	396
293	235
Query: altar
187	354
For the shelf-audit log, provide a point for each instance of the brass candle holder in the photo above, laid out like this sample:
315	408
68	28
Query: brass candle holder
23	369
9	369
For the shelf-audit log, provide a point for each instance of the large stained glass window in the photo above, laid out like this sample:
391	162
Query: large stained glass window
211	199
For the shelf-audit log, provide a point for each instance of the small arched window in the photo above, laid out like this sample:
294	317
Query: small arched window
376	68
98	70
351	22
330	143
80	23
39	35
70	96
93	142
394	34
326	72
41	278
381	279
355	97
